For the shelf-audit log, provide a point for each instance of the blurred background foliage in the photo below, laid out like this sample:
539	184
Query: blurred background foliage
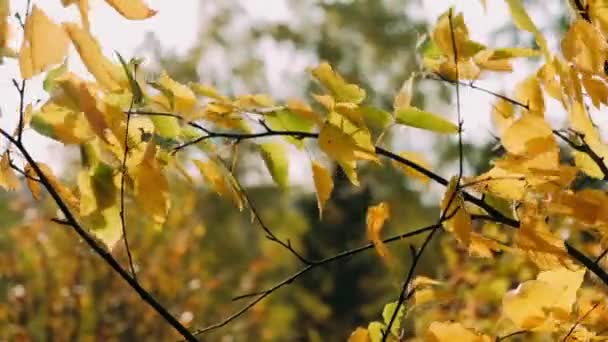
53	288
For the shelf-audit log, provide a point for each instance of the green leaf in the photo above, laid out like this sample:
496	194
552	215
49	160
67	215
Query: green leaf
387	313
514	52
42	126
414	117
138	95
275	157
375	330
376	118
49	82
103	186
285	120
166	126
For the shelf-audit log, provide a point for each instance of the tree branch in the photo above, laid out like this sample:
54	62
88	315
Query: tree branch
71	220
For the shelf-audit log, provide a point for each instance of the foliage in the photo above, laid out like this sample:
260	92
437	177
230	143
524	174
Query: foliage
523	242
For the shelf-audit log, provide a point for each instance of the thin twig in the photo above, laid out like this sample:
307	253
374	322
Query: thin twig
579	320
410	275
519	332
457	86
269	234
263	294
472	85
123	173
21	91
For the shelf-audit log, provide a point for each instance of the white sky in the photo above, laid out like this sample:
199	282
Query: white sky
176	26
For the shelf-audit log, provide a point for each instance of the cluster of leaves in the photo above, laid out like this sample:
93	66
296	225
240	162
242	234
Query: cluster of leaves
133	131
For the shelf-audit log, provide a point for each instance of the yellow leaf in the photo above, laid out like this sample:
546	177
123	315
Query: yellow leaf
5	27
403	99
482	246
376	216
183	98
324	184
8	178
152	187
88	204
304	111
545	249
132	9
596	89
444	31
106	226
448	331
459	223
359	335
529	93
585	46
580	122
416	158
339	88
31	181
35	187
345	147
523	22
502	115
587	165
501	183
467	69
44	44
208	91
548	76
221	181
110	76
553	291
95	116
485	60
523	136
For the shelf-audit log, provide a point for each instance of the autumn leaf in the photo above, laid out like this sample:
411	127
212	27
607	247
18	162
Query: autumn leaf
528	133
132	9
451	331
152	187
544	248
277	162
529	306
376	217
522	20
528	92
346	143
585	46
415	117
110	76
32	181
459	221
359	335
8	178
339	88
416	158
324	185
44	44
221	181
